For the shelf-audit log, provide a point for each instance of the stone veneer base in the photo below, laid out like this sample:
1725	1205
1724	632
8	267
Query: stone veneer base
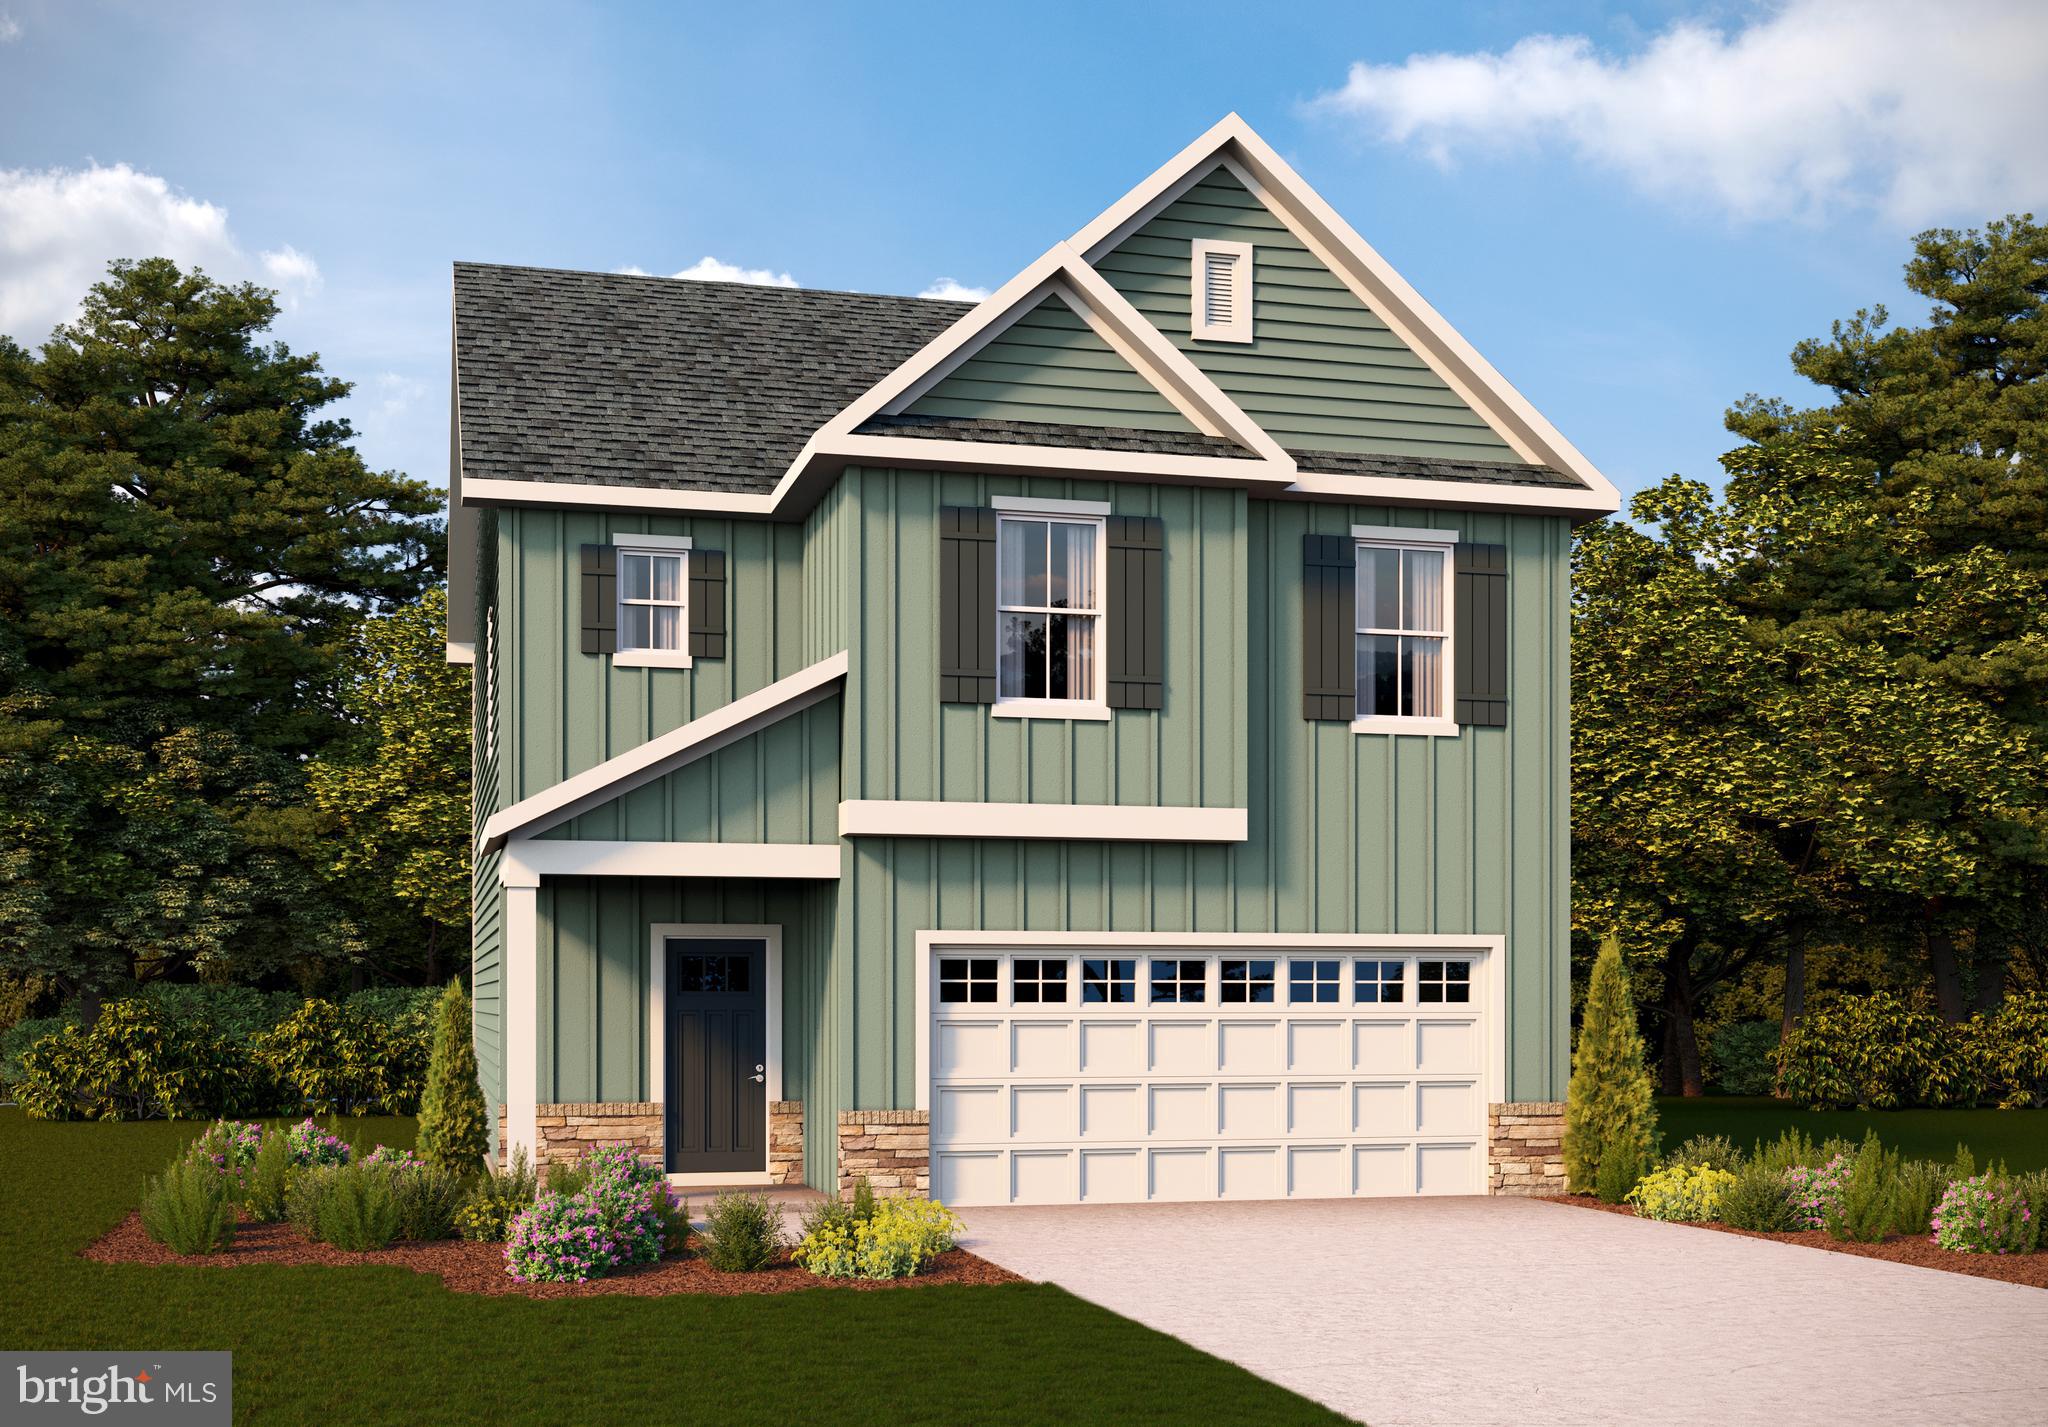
892	1148
1525	1147
568	1129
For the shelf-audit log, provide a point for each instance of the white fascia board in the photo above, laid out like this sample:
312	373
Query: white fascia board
460	652
1581	505
1066	822
925	451
638	498
1369	276
745	715
530	857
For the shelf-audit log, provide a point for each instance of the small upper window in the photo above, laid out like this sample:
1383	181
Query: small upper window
1221	299
1048	609
1444	981
969	979
1403	625
1109	980
1245	981
654	624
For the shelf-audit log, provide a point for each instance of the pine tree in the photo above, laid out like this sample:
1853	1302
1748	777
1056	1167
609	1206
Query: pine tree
1609	1116
454	1130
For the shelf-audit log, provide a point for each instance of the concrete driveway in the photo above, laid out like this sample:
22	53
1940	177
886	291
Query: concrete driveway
1481	1311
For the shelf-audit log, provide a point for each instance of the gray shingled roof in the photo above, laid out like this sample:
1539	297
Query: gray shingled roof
610	379
1046	433
1425	468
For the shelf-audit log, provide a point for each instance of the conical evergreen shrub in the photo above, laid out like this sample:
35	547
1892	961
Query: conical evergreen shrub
1609	1115
455	1130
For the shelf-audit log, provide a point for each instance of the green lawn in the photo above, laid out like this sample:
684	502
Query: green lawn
387	1345
2019	1137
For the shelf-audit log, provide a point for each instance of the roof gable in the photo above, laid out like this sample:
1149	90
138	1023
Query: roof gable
1050	367
1322	371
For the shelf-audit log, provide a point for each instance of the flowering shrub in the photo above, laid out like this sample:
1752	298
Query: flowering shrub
616	1218
1682	1194
313	1146
1986	1214
229	1146
1817	1192
385	1157
898	1240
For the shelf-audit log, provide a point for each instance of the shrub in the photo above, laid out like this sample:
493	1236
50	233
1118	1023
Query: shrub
1609	1113
405	1018
358	1207
1682	1194
1705	1152
267	1178
610	1221
675	1219
428	1199
564	1176
742	1233
228	1147
17	1038
1817	1190
313	1146
455	1132
559	1238
1885	1053
1759	1199
1742	1058
897	1240
1788	1151
133	1063
1919	1187
304	1189
1868	1205
1986	1214
190	1209
486	1216
863	1197
328	1059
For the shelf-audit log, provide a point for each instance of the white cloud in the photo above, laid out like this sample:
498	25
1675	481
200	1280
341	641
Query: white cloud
947	290
710	269
60	227
10	29
1815	107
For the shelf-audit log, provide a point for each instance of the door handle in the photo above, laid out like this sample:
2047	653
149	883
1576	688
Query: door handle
760	1075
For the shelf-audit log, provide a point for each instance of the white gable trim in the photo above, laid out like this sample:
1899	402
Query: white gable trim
664	754
1370	277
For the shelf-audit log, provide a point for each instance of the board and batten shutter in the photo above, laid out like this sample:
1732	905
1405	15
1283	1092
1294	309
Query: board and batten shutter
1329	644
707	604
600	599
1480	672
967	605
1137	612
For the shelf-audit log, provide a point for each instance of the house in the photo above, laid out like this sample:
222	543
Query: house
1104	743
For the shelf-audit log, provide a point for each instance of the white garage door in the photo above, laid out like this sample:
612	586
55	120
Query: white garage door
1078	1076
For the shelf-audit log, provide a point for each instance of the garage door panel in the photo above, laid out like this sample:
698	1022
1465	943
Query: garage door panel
970	1048
1042	1048
1182	1048
1112	1048
1249	1047
1340	1081
1443	1046
1247	1110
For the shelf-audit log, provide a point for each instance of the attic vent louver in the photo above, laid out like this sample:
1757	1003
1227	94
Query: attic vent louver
1221	295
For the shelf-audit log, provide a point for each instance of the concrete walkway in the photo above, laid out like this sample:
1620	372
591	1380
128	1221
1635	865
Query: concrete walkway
1474	1312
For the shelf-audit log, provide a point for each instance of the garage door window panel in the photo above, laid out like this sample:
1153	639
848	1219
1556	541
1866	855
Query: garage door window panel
1038	981
1380	982
1438	982
1242	982
968	980
1109	980
1318	983
1179	982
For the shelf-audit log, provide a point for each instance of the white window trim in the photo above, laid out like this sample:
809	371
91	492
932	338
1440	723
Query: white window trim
1093	710
654	658
1394	537
1239	328
1045	505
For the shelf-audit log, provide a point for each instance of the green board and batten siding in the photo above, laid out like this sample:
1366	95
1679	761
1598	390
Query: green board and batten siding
487	897
1323	371
1050	365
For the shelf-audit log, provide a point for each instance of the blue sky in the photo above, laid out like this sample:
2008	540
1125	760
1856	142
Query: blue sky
1633	210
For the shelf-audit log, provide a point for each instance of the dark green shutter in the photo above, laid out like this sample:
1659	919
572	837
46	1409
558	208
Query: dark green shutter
967	606
1137	612
1329	643
1480	678
707	604
600	599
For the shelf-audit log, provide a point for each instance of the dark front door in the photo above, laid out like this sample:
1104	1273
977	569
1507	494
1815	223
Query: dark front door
717	1054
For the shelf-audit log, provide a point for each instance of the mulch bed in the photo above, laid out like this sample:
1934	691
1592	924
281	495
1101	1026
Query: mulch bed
2027	1270
465	1267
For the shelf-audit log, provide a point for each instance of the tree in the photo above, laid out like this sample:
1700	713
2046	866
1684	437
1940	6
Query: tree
395	794
1610	1118
455	1131
186	541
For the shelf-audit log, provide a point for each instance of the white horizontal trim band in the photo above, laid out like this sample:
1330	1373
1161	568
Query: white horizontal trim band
1036	505
1413	535
528	857
1071	822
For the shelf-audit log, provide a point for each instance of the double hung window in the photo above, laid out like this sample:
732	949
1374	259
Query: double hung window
654	585
1403	629
1049	610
